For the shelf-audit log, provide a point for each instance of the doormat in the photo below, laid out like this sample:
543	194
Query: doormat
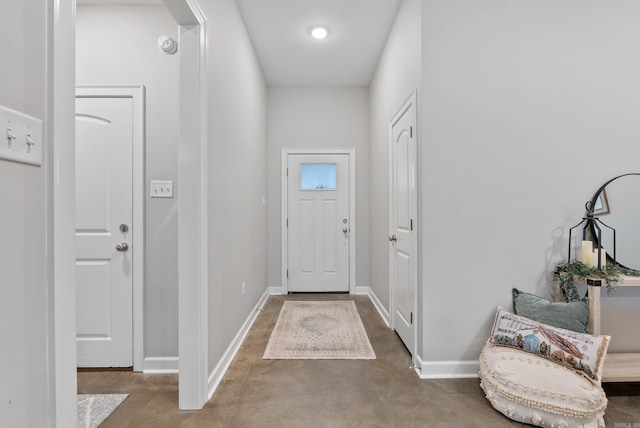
93	409
319	331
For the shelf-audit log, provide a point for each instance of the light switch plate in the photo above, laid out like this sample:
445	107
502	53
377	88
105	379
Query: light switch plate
162	189
20	137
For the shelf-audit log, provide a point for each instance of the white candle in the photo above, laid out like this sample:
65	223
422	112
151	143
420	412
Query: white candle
593	259
603	258
587	253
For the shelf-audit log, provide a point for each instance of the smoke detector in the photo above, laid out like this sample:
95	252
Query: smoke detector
167	45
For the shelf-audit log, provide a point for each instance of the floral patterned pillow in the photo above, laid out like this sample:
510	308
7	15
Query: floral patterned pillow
581	352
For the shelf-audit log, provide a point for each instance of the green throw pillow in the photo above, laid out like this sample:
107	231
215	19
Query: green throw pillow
572	316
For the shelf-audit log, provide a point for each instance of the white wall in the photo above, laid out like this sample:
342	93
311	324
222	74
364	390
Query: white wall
318	118
237	175
527	108
397	75
117	45
24	304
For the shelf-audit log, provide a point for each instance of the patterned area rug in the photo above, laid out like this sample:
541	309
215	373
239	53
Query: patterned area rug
94	408
319	331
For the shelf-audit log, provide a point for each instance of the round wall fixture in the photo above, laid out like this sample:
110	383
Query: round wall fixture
167	45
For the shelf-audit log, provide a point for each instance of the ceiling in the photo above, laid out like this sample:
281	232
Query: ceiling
279	31
121	2
289	56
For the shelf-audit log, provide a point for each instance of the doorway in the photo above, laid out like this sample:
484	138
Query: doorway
318	220
110	226
403	201
131	56
61	176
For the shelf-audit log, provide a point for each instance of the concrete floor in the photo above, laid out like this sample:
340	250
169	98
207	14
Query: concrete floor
322	393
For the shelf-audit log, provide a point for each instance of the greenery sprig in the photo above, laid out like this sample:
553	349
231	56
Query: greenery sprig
568	273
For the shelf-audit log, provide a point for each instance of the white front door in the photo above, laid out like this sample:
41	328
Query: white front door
402	217
104	214
318	222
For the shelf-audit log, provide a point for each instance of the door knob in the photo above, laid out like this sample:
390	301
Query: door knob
345	230
393	238
122	247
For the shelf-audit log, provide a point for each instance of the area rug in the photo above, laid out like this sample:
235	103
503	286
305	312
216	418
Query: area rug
93	409
319	331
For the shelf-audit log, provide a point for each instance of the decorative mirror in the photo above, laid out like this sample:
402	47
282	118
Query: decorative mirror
616	205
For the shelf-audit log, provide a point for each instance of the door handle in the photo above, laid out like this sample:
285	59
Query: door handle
122	247
393	238
345	230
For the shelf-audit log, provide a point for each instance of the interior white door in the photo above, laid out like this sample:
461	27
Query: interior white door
402	215
318	222
104	213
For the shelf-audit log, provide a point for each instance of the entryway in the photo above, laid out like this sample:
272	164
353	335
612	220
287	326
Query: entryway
403	270
318	220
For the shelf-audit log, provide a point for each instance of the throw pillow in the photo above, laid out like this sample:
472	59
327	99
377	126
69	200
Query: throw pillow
581	352
568	315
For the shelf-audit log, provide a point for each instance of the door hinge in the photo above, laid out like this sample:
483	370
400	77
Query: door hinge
411	224
411	132
287	273
411	316
287	172
287	222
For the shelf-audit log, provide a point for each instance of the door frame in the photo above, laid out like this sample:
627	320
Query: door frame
137	96
412	100
60	194
284	206
193	232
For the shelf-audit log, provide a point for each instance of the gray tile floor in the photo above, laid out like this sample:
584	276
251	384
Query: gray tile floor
322	393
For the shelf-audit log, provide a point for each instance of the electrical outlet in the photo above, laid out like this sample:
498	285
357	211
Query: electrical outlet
244	286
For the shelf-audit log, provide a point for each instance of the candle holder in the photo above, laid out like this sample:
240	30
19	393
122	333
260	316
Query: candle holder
592	232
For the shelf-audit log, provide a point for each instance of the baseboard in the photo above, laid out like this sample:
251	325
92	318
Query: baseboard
446	369
221	368
378	305
160	365
275	291
431	369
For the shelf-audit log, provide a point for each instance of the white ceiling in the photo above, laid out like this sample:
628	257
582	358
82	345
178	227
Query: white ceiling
121	2
279	31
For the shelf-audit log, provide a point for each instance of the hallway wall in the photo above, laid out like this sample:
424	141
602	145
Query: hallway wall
318	118
397	75
25	290
237	175
527	107
130	56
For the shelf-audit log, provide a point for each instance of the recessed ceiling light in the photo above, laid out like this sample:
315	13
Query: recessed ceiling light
319	33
